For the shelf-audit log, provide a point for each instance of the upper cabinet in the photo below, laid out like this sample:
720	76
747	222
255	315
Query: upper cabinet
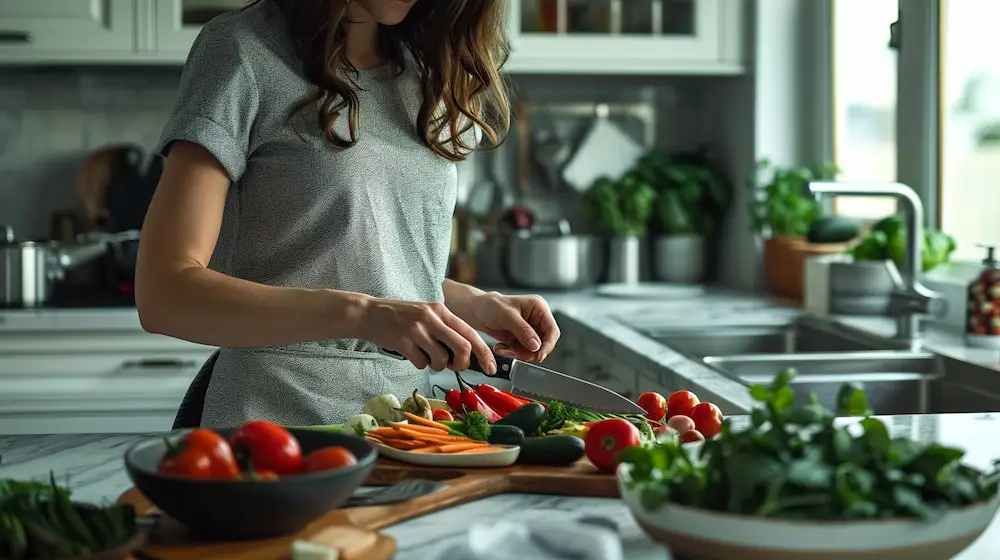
546	36
626	36
66	30
177	23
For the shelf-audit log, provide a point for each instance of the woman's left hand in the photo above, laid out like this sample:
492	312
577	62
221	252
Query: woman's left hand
523	325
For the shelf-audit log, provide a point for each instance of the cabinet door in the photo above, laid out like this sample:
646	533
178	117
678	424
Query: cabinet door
66	30
625	36
179	21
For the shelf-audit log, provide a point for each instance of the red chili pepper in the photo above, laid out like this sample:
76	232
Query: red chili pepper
472	402
454	400
500	402
525	400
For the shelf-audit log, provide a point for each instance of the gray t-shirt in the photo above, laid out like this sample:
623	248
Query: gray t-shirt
374	218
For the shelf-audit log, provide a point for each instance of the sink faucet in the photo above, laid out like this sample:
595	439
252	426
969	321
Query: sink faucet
910	301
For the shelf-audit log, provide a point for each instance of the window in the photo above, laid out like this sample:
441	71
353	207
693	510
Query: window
970	124
864	100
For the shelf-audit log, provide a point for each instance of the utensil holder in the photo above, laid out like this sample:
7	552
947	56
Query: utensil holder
624	260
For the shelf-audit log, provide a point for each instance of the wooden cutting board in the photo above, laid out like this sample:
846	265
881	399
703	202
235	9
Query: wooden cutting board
353	530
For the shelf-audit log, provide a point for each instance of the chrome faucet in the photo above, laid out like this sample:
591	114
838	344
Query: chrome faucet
910	302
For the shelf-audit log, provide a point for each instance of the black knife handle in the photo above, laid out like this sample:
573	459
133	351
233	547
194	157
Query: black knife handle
504	364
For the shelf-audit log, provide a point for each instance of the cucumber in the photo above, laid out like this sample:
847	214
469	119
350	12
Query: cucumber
556	451
526	417
833	229
506	435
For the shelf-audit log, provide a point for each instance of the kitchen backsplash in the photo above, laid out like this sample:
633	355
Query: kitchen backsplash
51	118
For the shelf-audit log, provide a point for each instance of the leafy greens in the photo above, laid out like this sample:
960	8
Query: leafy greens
794	462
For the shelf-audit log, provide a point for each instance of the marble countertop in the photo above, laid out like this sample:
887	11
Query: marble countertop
93	468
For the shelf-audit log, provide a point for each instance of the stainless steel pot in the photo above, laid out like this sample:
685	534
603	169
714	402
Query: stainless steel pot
30	269
553	261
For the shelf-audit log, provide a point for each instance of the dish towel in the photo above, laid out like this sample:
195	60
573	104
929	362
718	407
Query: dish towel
568	538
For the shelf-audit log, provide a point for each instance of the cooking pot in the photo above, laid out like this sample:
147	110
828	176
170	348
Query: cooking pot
559	260
29	269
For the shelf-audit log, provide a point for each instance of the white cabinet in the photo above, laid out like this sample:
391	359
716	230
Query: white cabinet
177	23
626	36
66	30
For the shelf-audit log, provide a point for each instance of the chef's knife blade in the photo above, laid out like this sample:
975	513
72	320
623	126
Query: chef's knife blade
542	383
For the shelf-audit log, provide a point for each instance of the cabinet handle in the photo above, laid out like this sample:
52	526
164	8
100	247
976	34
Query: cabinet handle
16	37
158	363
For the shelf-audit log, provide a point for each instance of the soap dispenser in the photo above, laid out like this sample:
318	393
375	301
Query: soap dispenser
982	325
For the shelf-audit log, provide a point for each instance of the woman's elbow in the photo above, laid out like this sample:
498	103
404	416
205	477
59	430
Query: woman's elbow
151	315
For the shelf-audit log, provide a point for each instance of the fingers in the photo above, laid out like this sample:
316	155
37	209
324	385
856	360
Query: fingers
526	337
474	344
416	356
426	338
546	327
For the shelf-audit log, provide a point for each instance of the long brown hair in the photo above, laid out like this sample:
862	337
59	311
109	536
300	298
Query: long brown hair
458	47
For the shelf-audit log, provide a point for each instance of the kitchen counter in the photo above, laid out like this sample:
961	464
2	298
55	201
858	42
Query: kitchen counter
93	468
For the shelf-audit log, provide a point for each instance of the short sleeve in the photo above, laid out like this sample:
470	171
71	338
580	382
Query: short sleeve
218	99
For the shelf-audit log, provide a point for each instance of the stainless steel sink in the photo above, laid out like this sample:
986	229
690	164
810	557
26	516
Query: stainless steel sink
895	382
798	337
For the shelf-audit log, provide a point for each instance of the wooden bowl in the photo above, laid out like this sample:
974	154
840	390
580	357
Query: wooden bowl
701	533
235	509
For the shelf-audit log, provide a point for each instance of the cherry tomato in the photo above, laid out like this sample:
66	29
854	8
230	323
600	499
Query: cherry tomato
607	438
654	404
681	423
260	475
692	436
263	446
707	419
441	414
329	458
200	454
681	403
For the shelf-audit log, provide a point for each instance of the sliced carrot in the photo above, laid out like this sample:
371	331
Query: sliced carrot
429	449
487	449
419	428
388	433
425	422
456	447
444	438
407	444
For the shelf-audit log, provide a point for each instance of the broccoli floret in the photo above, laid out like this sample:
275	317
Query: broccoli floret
555	416
477	426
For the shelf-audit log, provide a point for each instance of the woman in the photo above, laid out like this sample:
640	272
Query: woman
303	219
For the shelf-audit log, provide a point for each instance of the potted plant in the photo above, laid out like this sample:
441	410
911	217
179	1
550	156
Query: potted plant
621	210
782	211
691	200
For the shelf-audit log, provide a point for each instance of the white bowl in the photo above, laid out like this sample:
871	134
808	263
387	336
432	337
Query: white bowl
504	456
711	534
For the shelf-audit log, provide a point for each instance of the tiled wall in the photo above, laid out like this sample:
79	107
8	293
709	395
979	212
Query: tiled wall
51	118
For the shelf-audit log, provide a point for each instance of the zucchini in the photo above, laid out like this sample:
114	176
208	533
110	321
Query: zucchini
506	435
526	417
556	451
833	229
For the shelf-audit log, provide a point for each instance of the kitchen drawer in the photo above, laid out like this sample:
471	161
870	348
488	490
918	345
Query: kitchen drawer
108	422
71	342
143	364
42	30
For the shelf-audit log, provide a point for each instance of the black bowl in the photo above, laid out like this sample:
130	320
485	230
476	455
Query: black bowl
234	509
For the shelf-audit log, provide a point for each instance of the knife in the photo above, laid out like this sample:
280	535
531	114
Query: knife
541	383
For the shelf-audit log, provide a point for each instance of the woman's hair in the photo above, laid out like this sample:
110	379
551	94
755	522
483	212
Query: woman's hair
458	47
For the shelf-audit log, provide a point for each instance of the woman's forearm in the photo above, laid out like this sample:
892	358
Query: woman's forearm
204	306
459	297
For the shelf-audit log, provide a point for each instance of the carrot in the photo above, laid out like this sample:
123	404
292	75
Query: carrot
407	444
487	449
434	438
430	449
456	447
425	422
388	433
419	428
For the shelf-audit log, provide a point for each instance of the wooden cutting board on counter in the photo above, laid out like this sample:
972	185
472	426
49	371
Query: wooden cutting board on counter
354	530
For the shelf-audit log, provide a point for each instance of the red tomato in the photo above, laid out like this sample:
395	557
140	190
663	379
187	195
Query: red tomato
442	414
681	402
264	446
692	436
200	454
329	458
607	438
654	404
707	418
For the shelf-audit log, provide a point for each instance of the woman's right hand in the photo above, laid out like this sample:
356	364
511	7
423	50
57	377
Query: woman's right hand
417	331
